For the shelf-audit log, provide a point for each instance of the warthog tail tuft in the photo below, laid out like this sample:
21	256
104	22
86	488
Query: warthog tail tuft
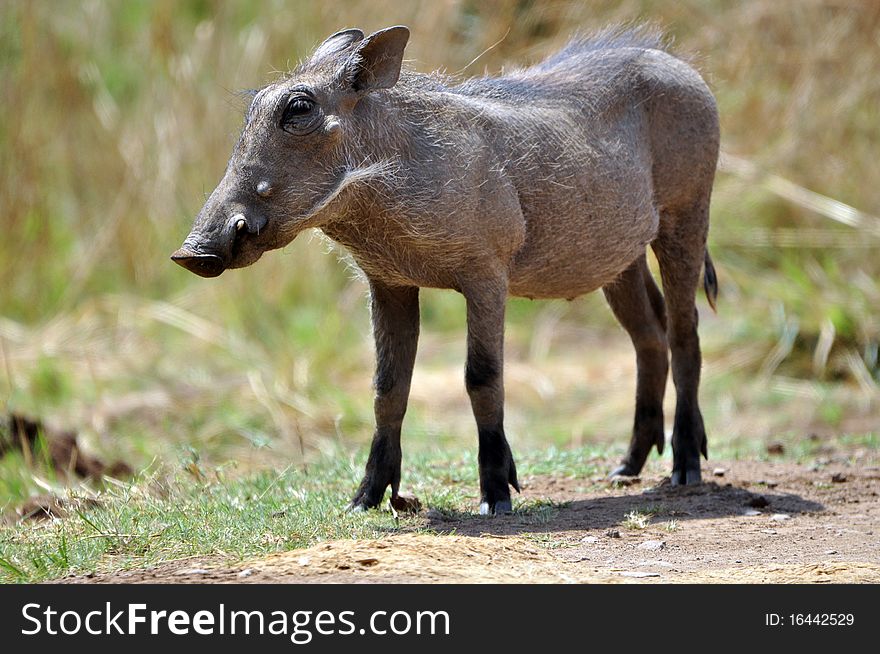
710	282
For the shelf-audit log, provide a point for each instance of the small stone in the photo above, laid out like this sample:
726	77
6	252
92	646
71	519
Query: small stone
193	571
303	560
751	512
780	517
590	539
771	532
776	447
829	552
719	472
247	572
639	574
838	478
613	533
651	545
769	483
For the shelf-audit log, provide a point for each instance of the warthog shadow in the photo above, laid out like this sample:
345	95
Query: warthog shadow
653	505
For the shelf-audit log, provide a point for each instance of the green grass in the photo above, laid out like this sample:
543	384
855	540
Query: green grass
163	517
798	448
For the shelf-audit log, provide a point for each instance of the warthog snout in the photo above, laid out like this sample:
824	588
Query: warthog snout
210	256
204	265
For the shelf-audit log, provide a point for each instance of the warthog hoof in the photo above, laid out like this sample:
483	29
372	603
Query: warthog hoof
502	507
690	477
624	470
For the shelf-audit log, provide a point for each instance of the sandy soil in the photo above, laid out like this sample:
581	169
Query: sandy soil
756	523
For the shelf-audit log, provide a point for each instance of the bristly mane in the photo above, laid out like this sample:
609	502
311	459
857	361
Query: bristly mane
645	37
583	57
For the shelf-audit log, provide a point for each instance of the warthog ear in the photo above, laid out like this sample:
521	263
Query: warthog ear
375	64
337	43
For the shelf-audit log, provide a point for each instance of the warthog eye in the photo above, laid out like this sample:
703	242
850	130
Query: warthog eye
300	115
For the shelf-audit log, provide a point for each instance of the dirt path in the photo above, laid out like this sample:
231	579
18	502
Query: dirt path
758	523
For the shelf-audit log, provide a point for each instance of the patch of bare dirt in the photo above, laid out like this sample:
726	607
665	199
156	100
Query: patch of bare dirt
753	523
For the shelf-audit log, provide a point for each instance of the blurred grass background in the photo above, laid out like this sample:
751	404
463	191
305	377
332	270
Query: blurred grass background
118	117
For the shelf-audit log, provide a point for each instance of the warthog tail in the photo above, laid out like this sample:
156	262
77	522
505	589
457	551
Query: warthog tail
710	282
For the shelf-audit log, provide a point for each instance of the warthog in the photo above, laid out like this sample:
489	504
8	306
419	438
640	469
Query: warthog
547	182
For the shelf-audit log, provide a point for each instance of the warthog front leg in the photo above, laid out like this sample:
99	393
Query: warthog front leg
395	314
485	386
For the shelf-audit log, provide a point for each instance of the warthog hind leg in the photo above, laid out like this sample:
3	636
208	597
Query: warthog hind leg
639	307
681	253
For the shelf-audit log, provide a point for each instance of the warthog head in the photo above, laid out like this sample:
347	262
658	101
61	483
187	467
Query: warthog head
295	156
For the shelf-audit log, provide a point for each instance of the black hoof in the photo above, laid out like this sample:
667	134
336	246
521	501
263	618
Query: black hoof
362	502
691	477
502	507
368	496
624	470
